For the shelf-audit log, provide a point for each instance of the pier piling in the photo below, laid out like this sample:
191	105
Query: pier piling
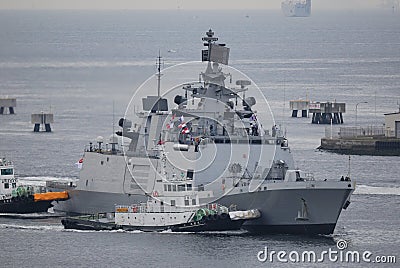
298	105
325	112
9	103
44	119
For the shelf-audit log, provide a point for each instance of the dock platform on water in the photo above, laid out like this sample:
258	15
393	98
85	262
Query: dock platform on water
325	112
360	140
297	105
42	119
6	102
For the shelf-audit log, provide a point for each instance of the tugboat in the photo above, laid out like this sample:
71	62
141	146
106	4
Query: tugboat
213	134
16	198
167	210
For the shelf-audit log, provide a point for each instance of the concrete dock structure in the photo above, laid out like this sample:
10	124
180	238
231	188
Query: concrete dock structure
299	105
6	102
369	140
42	119
325	112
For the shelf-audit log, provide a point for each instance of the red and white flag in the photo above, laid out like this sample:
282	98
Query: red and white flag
79	163
185	130
183	125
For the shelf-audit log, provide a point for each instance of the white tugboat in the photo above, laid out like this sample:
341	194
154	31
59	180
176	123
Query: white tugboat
213	135
167	210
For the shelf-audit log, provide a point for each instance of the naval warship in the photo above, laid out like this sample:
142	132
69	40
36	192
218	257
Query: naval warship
214	135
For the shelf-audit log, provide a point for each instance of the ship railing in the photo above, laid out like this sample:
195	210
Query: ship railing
106	150
144	207
309	176
354	131
26	190
5	163
60	185
158	208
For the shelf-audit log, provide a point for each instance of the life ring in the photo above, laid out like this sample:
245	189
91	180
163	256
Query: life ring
155	194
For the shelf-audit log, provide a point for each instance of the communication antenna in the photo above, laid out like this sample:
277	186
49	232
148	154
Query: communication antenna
159	74
348	174
284	104
158	65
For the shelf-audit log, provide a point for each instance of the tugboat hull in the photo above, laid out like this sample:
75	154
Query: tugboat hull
85	224
208	224
26	205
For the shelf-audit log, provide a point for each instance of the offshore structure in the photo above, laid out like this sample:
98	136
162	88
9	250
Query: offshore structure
296	8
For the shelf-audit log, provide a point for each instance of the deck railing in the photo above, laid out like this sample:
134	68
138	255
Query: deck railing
352	132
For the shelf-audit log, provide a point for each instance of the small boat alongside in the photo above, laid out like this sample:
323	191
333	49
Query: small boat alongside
22	199
166	210
144	218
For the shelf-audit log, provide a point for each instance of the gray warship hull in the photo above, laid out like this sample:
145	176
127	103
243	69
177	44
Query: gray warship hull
279	210
279	207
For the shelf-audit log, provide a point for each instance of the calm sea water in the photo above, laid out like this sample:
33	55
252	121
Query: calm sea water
78	64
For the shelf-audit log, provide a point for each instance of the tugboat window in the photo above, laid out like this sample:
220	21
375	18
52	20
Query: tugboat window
189	187
174	187
169	188
193	202
7	171
189	174
186	202
173	203
6	185
14	185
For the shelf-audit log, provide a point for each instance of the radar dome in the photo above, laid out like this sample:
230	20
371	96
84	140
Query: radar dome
99	139
113	139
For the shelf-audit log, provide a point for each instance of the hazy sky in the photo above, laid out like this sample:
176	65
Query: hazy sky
183	4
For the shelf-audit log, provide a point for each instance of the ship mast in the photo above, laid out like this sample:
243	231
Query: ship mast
158	64
209	39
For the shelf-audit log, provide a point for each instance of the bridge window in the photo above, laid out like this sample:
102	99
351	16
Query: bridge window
181	187
189	187
189	174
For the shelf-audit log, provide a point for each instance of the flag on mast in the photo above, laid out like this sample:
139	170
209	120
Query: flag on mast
79	163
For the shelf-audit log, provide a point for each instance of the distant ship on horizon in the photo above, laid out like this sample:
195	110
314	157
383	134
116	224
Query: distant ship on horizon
296	8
